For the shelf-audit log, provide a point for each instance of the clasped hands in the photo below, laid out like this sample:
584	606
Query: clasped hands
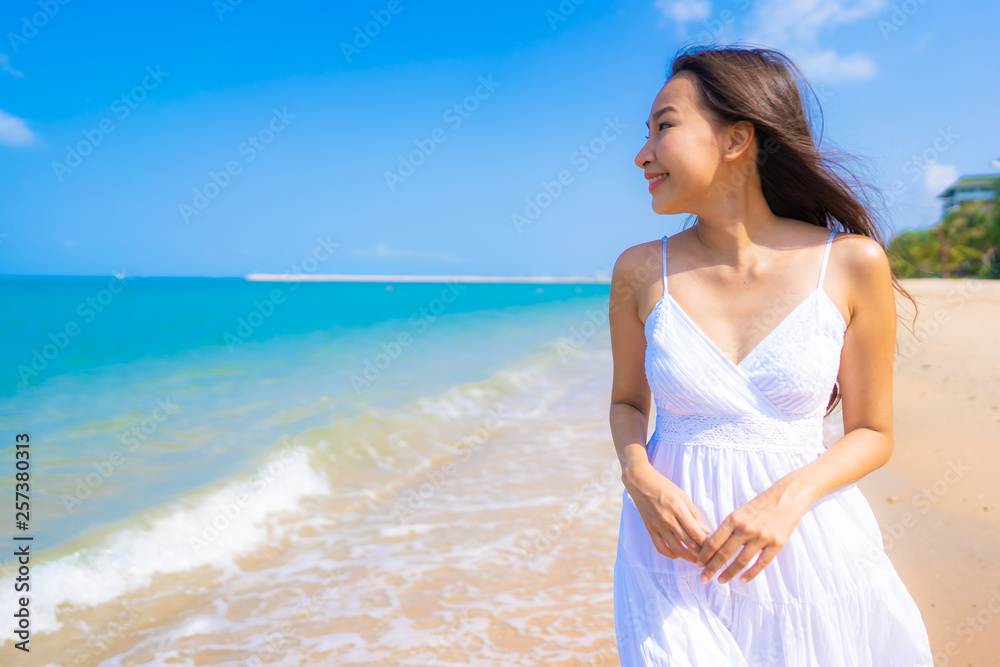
762	526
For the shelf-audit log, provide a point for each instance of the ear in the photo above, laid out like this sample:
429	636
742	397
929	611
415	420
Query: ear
739	139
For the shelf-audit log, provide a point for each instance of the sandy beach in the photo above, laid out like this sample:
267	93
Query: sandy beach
937	500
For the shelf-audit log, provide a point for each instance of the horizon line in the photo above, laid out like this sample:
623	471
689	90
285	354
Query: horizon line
375	278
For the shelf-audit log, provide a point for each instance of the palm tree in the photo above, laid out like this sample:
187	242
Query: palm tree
966	242
958	237
911	254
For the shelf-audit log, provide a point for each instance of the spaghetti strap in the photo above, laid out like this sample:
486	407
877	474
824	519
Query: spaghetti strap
826	256
664	266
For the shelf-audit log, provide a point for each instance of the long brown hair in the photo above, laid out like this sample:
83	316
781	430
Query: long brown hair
799	181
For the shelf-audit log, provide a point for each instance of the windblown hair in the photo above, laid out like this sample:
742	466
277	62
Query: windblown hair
799	181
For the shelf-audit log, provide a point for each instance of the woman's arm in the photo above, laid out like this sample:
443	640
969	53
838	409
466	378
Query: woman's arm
866	366
675	525
865	378
630	395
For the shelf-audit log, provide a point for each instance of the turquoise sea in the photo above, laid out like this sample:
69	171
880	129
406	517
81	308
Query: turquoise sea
177	423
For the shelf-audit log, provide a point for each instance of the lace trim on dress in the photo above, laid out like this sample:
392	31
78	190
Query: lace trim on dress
751	432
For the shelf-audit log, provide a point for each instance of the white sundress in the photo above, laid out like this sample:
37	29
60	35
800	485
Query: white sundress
724	433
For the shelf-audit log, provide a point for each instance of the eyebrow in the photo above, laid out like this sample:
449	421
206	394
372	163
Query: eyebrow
662	111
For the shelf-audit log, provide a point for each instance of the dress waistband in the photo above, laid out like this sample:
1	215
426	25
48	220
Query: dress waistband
749	432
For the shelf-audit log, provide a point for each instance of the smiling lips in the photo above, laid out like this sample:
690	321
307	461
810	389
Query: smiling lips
655	180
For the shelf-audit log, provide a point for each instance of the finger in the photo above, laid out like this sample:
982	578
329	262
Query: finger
694	533
766	556
712	543
721	557
662	547
750	549
701	520
678	547
688	539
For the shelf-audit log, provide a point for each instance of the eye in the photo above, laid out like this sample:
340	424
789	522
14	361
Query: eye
657	127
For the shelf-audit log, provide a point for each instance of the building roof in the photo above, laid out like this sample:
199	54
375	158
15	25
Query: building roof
972	183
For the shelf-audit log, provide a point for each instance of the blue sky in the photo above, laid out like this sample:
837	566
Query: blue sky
220	139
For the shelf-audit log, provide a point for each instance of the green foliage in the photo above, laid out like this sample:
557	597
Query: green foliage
965	243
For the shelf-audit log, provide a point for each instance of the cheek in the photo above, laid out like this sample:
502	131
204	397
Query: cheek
675	149
688	157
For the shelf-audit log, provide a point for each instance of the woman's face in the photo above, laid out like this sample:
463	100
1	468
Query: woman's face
683	144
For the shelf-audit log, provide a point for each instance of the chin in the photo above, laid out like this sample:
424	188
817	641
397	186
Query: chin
664	208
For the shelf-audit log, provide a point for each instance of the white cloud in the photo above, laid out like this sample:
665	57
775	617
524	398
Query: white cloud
383	251
5	66
828	66
794	27
13	130
938	177
682	12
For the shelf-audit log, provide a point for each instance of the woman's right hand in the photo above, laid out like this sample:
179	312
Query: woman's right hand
675	524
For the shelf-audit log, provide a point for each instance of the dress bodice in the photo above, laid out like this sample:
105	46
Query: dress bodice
786	379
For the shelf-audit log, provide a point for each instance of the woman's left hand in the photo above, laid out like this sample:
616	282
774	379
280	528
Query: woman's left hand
762	526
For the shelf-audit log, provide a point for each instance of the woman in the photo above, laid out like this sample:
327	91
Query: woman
769	308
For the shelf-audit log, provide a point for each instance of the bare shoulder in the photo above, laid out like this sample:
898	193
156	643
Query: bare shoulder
864	266
635	264
861	257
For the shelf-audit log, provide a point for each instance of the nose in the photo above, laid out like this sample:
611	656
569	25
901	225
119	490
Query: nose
644	156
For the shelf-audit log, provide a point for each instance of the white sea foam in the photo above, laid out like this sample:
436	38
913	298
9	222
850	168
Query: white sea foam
212	530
